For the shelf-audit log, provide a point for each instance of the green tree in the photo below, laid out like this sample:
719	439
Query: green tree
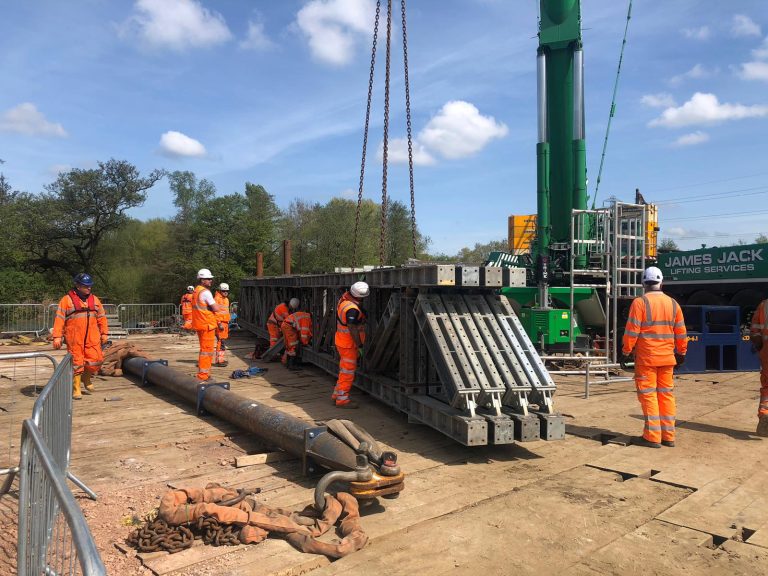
189	194
70	220
668	245
478	254
761	239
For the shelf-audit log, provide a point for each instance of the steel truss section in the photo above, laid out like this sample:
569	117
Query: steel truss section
442	347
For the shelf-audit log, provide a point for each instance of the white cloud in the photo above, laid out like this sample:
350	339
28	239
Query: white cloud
762	52
692	139
660	100
348	193
333	27
256	39
459	130
176	144
696	73
397	152
743	25
754	71
27	119
701	33
704	109
178	24
57	169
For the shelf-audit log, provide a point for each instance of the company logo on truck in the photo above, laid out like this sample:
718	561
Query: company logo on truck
735	260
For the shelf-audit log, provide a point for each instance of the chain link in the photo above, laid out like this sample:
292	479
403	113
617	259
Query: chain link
365	134
384	207
408	124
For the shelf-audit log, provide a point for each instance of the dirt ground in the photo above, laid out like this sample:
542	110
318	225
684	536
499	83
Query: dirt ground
587	505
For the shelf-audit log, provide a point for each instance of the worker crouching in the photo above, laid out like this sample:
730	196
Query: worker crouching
82	323
758	334
296	329
655	333
349	340
279	314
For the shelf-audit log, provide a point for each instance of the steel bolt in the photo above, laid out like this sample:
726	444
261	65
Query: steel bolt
311	434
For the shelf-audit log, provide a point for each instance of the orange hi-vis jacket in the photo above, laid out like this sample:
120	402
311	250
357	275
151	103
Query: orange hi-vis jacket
279	314
223	301
655	330
81	323
759	327
186	305
202	317
301	323
343	337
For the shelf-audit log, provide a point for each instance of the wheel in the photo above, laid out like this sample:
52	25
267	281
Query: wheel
748	300
705	298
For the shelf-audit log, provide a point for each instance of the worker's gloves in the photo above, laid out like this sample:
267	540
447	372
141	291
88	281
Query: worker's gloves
104	339
757	342
57	343
679	359
221	326
626	358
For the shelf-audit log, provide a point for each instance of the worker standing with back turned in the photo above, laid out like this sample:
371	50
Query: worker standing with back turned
655	333
349	340
81	320
758	334
204	311
222	326
186	308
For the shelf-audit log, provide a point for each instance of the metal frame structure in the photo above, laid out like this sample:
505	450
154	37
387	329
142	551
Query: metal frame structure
442	347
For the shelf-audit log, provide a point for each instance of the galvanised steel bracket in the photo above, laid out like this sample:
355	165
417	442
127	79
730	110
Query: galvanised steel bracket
147	364
308	464
201	388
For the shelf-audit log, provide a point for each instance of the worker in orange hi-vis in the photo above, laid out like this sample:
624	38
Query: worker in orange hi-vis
81	321
655	333
297	327
204	310
758	334
222	323
186	308
279	314
349	340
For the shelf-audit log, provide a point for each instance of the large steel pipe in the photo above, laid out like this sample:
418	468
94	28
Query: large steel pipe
272	426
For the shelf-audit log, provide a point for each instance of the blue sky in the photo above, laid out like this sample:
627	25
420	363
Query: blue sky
273	92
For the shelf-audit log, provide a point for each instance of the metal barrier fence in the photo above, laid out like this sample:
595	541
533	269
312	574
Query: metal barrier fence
53	535
147	317
22	318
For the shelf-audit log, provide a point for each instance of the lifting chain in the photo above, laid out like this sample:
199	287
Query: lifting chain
384	202
365	133
158	535
408	124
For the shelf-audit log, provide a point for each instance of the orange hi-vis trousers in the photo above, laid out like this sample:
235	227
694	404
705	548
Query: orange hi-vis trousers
655	391
274	333
762	409
347	367
221	348
207	339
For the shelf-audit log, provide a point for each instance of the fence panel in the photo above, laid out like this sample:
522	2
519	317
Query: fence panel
148	317
53	535
22	318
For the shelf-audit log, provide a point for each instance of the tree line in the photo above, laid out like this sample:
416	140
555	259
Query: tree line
81	223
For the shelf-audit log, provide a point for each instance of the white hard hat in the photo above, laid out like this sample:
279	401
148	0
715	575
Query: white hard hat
204	274
652	275
224	287
360	290
190	288
294	303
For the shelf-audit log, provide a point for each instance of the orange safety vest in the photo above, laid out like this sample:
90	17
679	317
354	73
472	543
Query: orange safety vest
202	317
759	328
222	301
186	304
301	322
81	324
655	330
343	337
279	314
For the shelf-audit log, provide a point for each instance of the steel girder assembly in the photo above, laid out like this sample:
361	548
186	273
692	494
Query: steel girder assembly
443	347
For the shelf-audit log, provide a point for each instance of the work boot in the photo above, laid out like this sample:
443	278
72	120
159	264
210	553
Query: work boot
292	364
762	427
640	441
350	405
89	388
222	364
668	443
76	394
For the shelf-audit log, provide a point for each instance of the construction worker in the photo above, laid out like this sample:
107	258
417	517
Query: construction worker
758	334
222	323
204	311
279	314
655	334
349	340
81	321
186	308
297	327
